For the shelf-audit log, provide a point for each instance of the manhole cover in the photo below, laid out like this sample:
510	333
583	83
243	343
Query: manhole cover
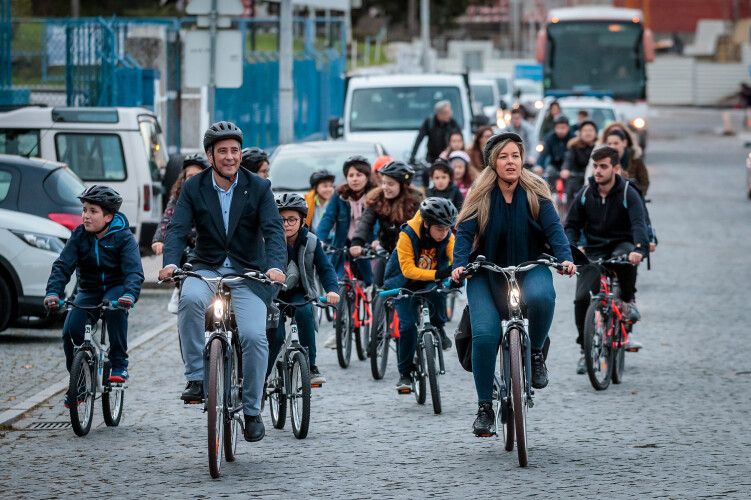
49	426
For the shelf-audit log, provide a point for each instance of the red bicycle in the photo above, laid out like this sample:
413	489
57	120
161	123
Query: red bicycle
386	327
605	331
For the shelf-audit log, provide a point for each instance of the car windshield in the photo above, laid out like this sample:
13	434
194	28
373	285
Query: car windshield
400	108
63	186
601	116
291	167
19	142
483	94
529	89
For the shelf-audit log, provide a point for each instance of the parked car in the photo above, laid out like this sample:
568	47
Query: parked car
505	84
28	247
292	164
486	100
601	110
121	147
529	93
43	188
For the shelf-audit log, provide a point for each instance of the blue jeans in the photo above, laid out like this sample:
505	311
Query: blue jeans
117	326
306	330
250	314
538	295
408	314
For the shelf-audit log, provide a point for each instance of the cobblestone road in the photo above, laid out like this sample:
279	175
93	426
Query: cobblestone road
676	428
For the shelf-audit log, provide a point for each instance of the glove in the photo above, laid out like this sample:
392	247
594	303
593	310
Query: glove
125	302
51	302
442	274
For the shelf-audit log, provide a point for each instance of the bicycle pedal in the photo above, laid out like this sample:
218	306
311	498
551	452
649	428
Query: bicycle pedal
633	349
316	385
193	402
404	391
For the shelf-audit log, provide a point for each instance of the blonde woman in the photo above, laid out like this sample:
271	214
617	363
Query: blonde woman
508	217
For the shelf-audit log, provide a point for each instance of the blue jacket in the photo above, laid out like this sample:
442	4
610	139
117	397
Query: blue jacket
100	264
255	237
554	149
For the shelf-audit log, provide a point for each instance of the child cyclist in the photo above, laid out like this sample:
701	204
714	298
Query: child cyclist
305	255
442	175
105	256
321	191
423	254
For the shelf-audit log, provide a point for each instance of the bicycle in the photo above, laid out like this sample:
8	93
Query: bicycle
385	328
222	372
428	343
289	381
90	372
605	331
512	391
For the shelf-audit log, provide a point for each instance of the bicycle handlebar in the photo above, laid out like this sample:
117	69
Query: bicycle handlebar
257	276
440	286
106	305
481	262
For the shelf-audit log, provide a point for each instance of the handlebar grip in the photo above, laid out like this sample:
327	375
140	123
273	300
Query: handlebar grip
322	299
388	293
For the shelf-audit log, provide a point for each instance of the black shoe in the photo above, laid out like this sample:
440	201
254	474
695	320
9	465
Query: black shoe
254	429
193	392
484	425
445	340
405	383
539	370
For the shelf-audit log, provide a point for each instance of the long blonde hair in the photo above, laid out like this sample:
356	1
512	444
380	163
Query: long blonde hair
477	203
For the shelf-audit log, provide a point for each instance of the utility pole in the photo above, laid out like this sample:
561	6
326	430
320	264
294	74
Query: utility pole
75	8
286	129
425	32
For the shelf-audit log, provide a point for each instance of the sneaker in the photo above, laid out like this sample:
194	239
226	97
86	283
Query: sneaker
484	425
632	314
119	375
330	342
193	391
174	301
581	366
539	370
315	376
405	383
445	340
67	401
633	345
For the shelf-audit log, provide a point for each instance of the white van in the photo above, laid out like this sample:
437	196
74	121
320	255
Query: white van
389	109
121	147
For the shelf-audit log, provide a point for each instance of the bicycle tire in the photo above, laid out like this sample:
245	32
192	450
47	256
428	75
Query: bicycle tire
112	407
432	369
517	395
231	425
278	400
379	339
215	407
299	407
508	426
450	306
362	335
81	393
343	325
619	359
419	385
598	352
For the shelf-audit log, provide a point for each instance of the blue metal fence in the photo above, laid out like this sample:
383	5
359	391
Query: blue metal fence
6	37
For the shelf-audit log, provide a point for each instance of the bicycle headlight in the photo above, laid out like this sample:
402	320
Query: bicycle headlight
639	123
218	309
513	298
539	148
539	104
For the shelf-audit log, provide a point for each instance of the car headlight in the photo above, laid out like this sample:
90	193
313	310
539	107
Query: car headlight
513	297
539	148
41	241
218	309
538	104
500	123
639	123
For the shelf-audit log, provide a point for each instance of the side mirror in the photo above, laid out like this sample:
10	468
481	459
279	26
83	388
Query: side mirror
518	93
336	127
479	121
502	104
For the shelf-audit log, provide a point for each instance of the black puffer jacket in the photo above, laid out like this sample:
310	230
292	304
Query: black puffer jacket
577	156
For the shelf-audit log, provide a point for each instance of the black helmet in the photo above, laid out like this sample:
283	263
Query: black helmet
196	159
398	170
495	140
221	131
104	196
252	158
355	160
320	176
438	212
292	201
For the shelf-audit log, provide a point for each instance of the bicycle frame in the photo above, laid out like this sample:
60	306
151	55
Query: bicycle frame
608	298
519	322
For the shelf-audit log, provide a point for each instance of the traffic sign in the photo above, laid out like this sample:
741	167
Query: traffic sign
228	67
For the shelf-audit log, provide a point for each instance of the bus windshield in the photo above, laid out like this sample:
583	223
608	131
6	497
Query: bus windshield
599	56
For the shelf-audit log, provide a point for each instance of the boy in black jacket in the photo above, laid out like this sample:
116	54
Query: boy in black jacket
442	175
105	255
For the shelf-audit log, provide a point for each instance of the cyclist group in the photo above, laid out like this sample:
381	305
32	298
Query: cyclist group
223	218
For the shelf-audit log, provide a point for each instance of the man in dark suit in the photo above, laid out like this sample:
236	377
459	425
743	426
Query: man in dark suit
238	228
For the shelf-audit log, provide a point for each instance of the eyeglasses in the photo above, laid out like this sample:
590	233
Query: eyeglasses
291	221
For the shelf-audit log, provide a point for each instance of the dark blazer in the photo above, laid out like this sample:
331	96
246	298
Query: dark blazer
255	239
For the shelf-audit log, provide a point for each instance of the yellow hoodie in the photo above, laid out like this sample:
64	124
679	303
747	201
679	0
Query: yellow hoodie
427	263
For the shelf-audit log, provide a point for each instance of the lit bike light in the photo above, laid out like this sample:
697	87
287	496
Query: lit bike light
514	298
639	123
218	309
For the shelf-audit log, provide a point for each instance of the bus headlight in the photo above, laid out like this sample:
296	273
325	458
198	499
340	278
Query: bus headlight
538	104
218	309
539	148
513	298
639	123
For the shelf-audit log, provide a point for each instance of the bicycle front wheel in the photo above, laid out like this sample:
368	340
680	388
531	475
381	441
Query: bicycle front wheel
231	425
419	384
215	406
518	396
432	369
379	339
81	393
619	357
362	337
277	398
300	401
343	326
598	351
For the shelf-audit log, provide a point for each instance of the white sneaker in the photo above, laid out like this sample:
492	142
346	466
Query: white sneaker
174	301
330	342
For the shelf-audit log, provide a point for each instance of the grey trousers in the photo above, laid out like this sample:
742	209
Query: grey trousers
250	313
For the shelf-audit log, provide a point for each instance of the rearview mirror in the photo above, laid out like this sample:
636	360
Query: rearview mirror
336	127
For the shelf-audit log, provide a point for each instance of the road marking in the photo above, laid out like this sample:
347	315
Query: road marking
9	416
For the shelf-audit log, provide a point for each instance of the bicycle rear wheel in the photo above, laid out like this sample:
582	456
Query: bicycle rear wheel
231	426
379	339
362	335
300	401
278	399
343	325
432	369
215	406
81	393
598	351
518	396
